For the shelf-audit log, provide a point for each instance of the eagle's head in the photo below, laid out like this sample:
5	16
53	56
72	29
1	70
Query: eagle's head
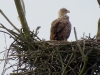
63	12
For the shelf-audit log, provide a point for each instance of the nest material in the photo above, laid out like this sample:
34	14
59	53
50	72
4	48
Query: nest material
49	58
36	57
55	57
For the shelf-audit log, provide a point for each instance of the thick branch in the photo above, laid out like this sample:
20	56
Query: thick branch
22	18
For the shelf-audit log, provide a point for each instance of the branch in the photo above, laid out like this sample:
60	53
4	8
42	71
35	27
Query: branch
84	57
22	18
9	20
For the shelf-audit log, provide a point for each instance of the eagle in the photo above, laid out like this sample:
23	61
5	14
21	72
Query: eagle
61	27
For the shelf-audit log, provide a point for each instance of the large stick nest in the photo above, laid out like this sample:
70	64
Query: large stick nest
35	57
55	57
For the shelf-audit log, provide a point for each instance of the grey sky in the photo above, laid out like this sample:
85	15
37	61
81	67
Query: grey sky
84	15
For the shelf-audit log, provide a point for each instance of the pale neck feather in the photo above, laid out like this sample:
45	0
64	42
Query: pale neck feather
63	16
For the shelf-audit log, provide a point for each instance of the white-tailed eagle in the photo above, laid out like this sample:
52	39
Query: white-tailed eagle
61	27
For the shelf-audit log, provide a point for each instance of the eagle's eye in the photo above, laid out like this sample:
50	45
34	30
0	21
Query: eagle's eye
65	10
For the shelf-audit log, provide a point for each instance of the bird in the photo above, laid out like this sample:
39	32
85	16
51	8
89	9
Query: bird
61	27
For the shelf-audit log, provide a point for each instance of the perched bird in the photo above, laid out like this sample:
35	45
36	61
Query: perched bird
98	31
61	27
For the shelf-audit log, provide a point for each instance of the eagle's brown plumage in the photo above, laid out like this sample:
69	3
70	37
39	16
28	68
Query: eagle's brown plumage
61	27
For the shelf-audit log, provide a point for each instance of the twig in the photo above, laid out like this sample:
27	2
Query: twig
7	33
61	60
69	61
84	57
9	20
5	63
3	51
80	49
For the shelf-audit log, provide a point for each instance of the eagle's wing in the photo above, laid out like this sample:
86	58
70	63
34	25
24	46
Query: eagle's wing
57	26
53	29
62	24
64	29
66	32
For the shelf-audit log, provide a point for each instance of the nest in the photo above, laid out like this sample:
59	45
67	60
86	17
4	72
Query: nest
54	57
34	56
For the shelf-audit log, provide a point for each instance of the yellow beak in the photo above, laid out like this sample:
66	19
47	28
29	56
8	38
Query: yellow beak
68	11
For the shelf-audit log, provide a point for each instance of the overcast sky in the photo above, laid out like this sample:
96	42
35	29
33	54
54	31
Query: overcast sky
84	15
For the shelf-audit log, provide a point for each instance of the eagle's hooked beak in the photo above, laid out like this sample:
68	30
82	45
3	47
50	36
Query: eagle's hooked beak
68	11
